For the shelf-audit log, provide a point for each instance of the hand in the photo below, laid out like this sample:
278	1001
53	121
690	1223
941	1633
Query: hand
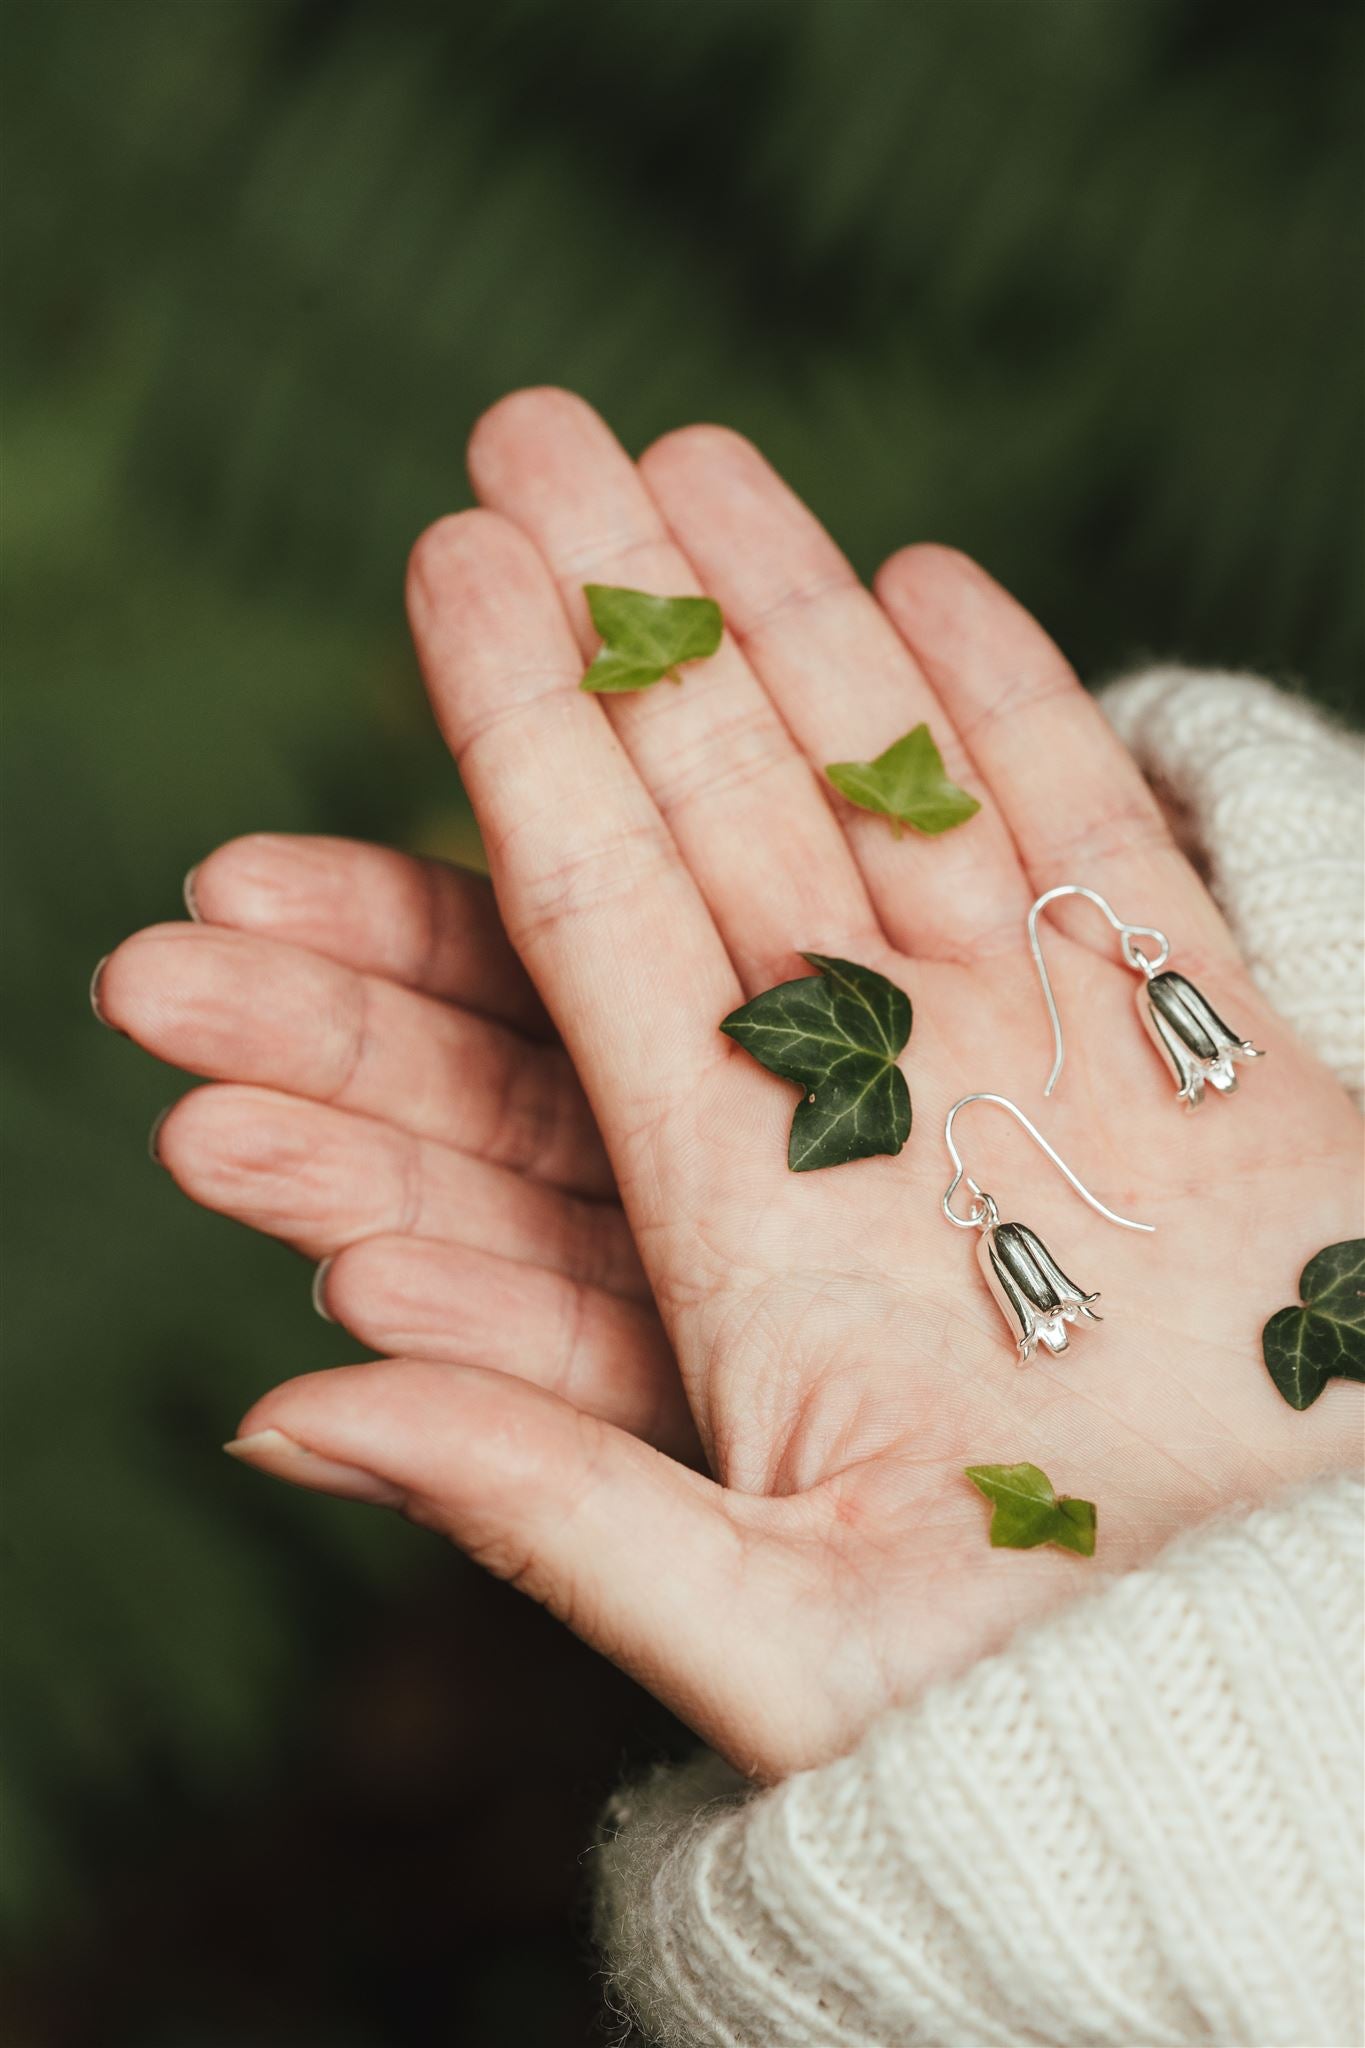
656	859
392	1104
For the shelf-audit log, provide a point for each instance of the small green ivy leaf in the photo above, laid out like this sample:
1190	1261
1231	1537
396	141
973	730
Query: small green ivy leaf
1325	1339
1028	1512
838	1034
644	638
906	784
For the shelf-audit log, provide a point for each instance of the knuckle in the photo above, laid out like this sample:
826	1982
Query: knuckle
582	885
350	1037
569	1349
1028	690
800	605
612	554
530	1116
591	1250
725	761
1134	825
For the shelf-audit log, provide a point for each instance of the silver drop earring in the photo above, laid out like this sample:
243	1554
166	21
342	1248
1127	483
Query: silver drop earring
1037	1299
1199	1049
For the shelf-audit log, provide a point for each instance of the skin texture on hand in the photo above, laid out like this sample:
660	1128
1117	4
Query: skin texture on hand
713	1414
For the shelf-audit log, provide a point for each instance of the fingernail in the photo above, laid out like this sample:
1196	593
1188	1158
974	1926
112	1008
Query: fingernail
153	1152
100	1017
270	1450
319	1290
187	889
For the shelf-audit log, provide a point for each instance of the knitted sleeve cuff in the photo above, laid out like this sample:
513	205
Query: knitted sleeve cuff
1268	796
1139	1824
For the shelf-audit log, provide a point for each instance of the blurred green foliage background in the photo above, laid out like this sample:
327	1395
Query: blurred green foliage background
1074	284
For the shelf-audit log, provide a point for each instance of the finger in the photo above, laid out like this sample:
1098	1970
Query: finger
736	792
843	680
637	1554
604	1354
1073	796
421	922
238	1008
591	889
322	1179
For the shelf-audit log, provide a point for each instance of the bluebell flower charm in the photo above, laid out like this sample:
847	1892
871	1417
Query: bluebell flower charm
1198	1047
1037	1299
1040	1303
1200	1050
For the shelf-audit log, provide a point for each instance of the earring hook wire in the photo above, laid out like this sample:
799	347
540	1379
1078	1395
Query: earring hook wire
1133	957
984	1210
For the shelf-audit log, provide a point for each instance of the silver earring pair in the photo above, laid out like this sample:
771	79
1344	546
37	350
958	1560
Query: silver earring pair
1041	1303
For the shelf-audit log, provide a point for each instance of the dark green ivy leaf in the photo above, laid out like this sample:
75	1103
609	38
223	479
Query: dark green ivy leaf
838	1034
1325	1339
644	638
1028	1512
906	784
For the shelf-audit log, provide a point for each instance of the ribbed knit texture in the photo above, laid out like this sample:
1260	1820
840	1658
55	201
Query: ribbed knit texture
1272	795
1142	1823
1139	1825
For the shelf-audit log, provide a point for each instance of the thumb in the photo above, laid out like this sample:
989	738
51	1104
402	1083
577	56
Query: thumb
639	1555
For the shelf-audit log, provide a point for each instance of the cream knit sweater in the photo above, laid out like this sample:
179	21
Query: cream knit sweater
1142	1822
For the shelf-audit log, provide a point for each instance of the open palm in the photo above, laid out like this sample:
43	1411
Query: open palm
569	1309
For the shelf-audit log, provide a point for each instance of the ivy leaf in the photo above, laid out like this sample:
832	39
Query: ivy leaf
1325	1339
1028	1512
838	1034
644	638
906	784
